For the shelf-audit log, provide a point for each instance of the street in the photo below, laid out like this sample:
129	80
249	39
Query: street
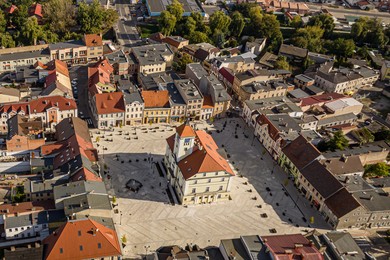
125	29
341	12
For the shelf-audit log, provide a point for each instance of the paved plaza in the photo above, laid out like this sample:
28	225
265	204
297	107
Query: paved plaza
259	202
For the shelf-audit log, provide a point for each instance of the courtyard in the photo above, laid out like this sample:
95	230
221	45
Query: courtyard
264	200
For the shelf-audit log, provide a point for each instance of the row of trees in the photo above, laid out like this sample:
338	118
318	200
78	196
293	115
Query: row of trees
62	21
221	26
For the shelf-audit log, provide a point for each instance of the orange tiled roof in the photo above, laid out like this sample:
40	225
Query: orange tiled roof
42	104
82	239
92	40
109	103
154	98
204	159
207	102
185	130
86	175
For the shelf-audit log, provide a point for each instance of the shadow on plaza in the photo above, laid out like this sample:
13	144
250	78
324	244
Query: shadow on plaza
264	174
137	176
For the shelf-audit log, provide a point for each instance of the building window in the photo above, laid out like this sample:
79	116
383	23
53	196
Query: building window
61	250
194	190
99	245
81	248
207	189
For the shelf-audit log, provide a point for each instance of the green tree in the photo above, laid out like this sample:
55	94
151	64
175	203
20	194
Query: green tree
93	18
310	36
181	65
19	17
370	31
384	134
6	40
49	36
189	26
237	24
282	63
219	38
343	48
270	28
3	22
198	37
338	141
377	170
324	21
219	21
296	22
32	30
60	15
167	22
176	9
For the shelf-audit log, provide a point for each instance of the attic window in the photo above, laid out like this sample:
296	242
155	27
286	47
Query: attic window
79	233
81	248
61	250
99	245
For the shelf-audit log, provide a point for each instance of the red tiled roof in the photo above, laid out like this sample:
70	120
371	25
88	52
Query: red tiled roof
11	9
92	40
109	103
44	103
227	74
341	203
82	239
327	97
26	207
16	107
156	99
273	132
36	9
278	245
58	66
86	175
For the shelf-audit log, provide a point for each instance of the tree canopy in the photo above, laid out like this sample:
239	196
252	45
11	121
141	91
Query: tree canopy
167	22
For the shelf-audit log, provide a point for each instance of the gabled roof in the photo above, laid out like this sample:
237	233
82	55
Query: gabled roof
278	245
36	9
321	179
86	175
109	103
81	239
327	97
14	107
26	207
44	103
341	203
301	152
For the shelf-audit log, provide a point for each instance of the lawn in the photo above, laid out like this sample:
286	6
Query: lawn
148	29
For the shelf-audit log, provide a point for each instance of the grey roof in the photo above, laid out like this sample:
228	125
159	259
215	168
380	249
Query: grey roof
20	253
339	243
365	148
86	201
270	103
18	221
25	55
314	90
304	78
217	90
174	96
117	57
130	92
151	54
188	89
66	45
161	5
264	86
197	70
293	51
336	119
234	59
342	75
31	186
234	248
268	59
298	93
261	72
255	247
56	216
105	221
284	123
373	200
380	182
155	81
354	183
78	187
